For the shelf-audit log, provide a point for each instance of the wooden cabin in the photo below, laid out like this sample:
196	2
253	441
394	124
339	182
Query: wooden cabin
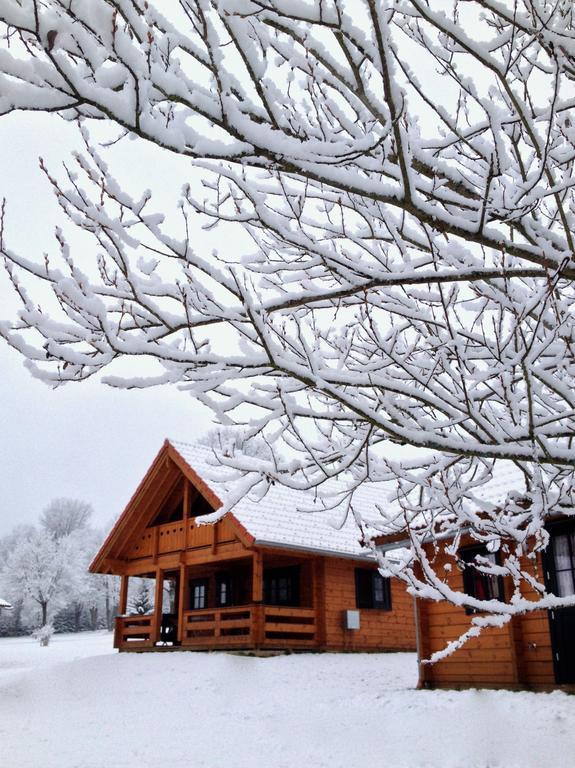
265	576
534	651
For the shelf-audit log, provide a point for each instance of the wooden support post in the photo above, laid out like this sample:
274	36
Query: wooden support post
182	600
257	577
258	625
158	605
258	618
318	572
123	601
118	625
186	505
517	651
215	529
155	542
420	608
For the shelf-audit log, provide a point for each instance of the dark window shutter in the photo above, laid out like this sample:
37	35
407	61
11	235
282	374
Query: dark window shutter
363	588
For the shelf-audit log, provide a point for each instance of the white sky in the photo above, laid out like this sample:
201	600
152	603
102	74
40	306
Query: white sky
84	441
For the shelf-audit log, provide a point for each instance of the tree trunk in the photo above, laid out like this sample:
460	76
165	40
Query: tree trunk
44	607
77	616
17	614
108	614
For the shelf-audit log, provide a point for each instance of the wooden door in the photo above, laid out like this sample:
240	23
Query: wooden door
559	564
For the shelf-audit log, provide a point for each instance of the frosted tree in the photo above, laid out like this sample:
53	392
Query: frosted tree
48	573
14	619
95	593
86	591
41	570
64	516
403	174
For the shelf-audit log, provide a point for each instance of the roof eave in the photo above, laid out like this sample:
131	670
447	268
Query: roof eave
313	550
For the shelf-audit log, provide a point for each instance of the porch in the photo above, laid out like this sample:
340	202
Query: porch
249	626
242	604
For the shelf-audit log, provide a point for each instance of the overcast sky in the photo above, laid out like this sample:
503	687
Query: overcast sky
84	441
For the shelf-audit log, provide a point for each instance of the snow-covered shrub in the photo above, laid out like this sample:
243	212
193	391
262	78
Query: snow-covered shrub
44	634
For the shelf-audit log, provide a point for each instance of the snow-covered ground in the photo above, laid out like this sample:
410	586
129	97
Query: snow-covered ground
79	704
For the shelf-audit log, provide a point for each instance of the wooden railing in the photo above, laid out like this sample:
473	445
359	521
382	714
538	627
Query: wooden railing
134	632
171	537
250	626
214	628
291	627
175	537
241	626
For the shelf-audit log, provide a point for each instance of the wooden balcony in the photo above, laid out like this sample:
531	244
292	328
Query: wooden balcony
243	626
179	536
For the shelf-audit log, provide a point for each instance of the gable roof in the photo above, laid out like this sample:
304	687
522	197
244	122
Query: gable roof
283	518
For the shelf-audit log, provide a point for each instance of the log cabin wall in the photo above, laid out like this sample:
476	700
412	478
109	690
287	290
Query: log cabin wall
392	630
516	655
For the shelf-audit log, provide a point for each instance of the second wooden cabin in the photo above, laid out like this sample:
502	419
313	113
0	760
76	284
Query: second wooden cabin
534	650
266	576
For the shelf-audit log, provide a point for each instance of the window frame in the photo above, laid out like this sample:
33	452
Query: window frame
366	588
558	529
221	579
472	576
205	583
292	574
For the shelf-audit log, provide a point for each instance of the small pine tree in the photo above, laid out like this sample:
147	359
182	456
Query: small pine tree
141	601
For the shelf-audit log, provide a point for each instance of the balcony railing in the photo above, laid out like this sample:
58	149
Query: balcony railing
175	537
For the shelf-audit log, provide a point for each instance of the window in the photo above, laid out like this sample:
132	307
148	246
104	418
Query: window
198	594
476	583
372	590
224	591
281	586
564	563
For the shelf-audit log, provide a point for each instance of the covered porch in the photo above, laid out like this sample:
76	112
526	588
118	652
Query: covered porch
255	602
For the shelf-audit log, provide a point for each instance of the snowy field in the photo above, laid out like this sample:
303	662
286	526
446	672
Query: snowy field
79	704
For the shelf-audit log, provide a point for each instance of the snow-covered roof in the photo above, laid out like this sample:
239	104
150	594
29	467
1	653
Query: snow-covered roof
4	604
506	477
294	519
284	517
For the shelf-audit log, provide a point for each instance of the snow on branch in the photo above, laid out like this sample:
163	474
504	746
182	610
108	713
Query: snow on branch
392	185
